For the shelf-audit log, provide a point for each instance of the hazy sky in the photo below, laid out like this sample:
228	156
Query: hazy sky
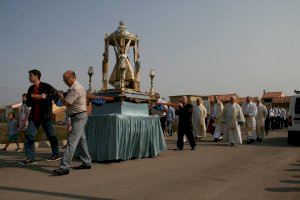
196	47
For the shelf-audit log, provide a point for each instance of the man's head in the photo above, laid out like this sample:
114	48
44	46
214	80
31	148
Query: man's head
34	75
248	99
258	101
11	115
24	97
233	99
183	100
69	78
216	99
199	101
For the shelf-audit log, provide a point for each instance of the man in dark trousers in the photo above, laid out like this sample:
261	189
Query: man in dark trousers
185	125
39	97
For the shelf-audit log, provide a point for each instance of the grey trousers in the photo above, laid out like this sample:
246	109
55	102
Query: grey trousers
76	137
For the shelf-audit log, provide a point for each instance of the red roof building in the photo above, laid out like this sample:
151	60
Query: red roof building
270	95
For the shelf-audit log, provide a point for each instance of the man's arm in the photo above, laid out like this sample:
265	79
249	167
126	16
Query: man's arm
52	93
28	98
62	99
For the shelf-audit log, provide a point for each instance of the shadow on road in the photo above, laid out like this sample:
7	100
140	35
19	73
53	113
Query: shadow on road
15	157
55	194
283	189
288	189
273	142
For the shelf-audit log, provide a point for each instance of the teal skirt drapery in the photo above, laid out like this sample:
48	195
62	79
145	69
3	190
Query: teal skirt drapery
123	137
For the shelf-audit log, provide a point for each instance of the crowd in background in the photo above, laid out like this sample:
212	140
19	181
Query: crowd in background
254	119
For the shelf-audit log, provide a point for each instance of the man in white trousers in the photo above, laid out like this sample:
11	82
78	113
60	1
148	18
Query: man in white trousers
249	109
232	117
261	116
216	116
199	115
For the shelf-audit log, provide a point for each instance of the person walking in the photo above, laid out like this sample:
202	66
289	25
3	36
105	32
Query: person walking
249	109
261	116
216	115
75	101
185	125
199	115
267	121
39	97
23	118
232	117
170	118
12	131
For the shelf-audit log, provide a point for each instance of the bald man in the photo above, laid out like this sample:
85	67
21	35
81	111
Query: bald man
75	101
250	110
261	116
233	117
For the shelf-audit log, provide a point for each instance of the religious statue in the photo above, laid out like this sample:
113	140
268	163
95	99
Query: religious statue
104	72
122	41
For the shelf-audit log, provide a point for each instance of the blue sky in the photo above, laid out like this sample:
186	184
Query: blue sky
196	47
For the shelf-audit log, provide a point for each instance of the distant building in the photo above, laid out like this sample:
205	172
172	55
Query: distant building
276	98
242	100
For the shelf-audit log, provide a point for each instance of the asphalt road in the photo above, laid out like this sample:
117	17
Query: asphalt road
267	170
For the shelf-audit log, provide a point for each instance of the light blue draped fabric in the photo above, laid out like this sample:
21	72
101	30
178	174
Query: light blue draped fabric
122	137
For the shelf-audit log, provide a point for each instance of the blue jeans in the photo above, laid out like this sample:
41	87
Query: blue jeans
76	137
30	137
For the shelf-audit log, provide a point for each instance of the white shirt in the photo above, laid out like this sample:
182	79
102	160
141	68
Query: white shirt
249	109
76	97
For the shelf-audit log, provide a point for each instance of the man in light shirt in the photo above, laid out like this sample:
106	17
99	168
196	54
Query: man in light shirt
216	115
232	117
261	116
75	101
249	109
199	115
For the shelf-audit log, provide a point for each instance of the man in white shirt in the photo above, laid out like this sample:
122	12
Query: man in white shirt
249	109
75	101
232	117
199	115
261	116
216	116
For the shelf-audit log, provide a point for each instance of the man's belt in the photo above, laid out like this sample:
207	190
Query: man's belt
74	115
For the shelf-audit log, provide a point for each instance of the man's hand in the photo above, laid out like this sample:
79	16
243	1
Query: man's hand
39	96
43	96
60	94
180	105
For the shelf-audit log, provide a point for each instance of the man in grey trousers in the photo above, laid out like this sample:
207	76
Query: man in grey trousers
75	101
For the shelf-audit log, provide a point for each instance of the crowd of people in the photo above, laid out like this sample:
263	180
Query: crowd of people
224	122
36	111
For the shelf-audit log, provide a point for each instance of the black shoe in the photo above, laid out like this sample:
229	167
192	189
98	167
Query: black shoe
54	158
250	141
27	162
60	172
178	149
232	144
3	149
83	167
216	140
193	148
